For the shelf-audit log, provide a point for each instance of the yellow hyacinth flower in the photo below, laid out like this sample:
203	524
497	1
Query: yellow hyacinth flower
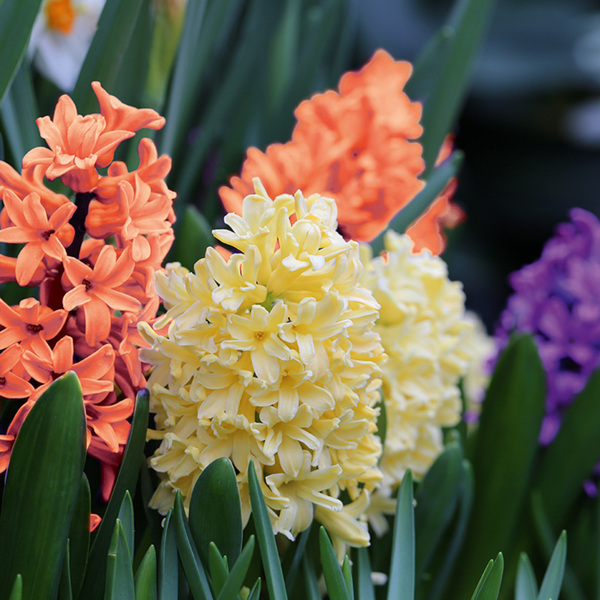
272	356
431	343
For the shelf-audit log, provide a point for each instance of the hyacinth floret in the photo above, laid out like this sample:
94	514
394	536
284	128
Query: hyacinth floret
271	356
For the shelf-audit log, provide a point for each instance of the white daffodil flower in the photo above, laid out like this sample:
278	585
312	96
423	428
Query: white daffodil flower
61	37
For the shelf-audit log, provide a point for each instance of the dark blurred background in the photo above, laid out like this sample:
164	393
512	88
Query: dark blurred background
530	129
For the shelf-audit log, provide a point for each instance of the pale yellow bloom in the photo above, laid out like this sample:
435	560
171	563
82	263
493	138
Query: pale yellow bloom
431	344
274	358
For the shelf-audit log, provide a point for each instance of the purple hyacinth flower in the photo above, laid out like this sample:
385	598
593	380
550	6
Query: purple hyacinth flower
556	299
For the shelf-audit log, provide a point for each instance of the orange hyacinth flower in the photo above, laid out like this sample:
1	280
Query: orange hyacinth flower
29	180
122	117
357	146
96	290
42	235
11	385
29	323
77	145
95	372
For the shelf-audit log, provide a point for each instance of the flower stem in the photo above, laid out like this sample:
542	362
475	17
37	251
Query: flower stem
82	201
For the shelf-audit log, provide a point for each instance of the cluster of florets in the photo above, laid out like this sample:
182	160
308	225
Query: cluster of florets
431	343
556	299
89	265
359	146
272	356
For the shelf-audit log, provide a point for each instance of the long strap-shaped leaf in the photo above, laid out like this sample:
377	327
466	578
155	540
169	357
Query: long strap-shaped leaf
337	588
526	585
93	584
488	587
145	577
190	559
580	429
107	51
513	410
238	572
42	486
436	182
553	577
16	21
436	502
402	564
266	539
119	574
79	535
468	24
18	112
167	565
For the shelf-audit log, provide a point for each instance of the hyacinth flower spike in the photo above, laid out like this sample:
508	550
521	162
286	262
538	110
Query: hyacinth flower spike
94	260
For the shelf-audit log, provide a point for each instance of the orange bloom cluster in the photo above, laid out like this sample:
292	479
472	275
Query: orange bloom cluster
356	146
94	261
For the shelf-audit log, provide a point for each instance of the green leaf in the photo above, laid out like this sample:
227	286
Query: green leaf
16	22
41	490
546	540
223	100
283	55
318	42
436	502
553	577
428	65
189	70
217	566
402	564
145	577
382	420
130	78
266	539
448	554
126	518
435	184
168	563
334	578
299	548
65	591
255	591
18	113
347	573
166	34
526	585
310	580
488	587
147	488
79	535
580	429
193	238
107	53
190	560
93	584
17	590
512	411
216	511
468	21
119	574
238	572
365	588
